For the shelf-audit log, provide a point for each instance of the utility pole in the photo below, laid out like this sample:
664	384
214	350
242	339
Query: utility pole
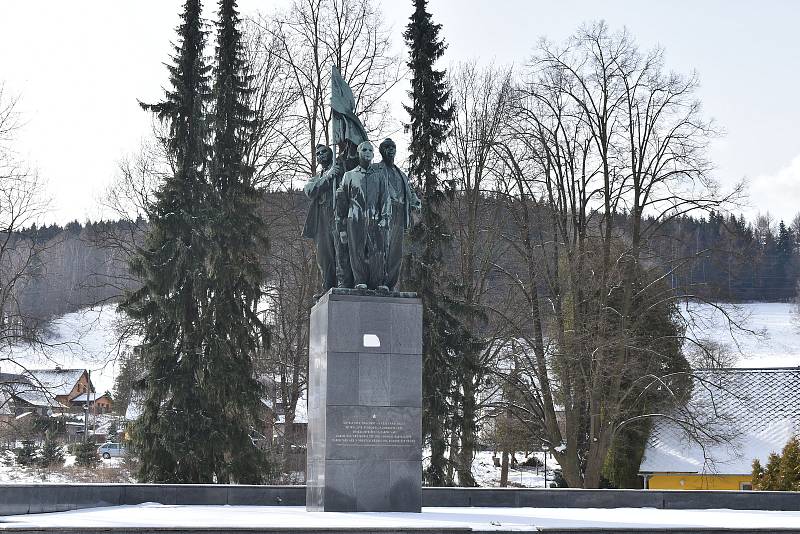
86	420
86	410
545	450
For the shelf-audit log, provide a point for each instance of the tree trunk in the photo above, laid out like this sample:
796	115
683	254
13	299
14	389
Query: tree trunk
468	433
435	474
504	469
452	457
598	450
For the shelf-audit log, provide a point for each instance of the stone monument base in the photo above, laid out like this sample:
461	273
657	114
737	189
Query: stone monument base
365	403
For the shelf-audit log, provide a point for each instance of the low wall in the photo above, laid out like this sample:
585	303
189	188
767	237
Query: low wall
39	498
604	498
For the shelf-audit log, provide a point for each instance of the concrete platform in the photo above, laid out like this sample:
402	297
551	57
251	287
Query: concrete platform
270	519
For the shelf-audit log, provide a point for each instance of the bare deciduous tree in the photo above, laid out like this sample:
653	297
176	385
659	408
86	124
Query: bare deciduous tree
306	40
21	206
479	97
603	148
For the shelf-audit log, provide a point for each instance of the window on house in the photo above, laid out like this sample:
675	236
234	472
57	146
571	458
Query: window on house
745	486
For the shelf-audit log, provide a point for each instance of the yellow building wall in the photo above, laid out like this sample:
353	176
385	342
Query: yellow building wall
698	482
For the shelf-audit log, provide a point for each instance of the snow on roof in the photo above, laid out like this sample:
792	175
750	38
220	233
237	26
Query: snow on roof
756	410
37	397
83	397
5	404
135	407
300	411
26	390
84	339
57	381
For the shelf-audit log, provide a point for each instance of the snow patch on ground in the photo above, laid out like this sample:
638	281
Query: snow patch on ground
152	515
107	471
487	475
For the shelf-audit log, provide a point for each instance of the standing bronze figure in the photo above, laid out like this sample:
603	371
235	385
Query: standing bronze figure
320	225
405	202
364	205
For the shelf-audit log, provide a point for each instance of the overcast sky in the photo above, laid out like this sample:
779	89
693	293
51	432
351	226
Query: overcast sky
80	66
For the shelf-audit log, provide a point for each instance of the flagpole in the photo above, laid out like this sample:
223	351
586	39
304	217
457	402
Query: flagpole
333	148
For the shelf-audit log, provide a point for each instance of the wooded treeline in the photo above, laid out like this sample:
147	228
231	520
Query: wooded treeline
569	208
737	260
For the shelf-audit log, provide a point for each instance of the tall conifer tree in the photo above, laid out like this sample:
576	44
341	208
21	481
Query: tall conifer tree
236	276
430	117
171	437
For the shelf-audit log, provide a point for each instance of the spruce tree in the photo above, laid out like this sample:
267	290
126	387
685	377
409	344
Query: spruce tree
236	277
26	455
789	470
52	453
430	117
782	472
86	454
113	432
172	435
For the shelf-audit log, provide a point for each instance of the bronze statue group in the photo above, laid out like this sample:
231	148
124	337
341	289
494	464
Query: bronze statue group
359	212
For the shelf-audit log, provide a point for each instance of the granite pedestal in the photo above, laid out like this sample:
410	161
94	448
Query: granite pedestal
365	403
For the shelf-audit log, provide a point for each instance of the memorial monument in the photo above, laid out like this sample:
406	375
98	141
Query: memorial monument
365	353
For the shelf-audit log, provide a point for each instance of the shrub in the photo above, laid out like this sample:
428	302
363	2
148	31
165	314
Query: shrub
52	453
532	461
26	455
113	431
558	480
86	455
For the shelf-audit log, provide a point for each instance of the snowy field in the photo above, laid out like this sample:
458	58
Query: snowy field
519	519
776	342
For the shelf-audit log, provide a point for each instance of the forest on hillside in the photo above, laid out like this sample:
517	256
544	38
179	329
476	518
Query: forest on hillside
737	260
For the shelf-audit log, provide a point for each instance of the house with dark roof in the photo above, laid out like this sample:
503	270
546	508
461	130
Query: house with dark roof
738	415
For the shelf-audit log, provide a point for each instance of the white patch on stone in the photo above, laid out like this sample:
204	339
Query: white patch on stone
371	340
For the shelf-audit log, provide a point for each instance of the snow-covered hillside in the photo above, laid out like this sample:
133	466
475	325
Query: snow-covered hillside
85	339
776	342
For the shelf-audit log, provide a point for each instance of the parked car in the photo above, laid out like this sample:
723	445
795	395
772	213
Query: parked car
111	450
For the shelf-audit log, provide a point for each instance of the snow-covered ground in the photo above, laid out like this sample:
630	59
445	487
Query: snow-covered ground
85	339
519	519
111	470
487	475
775	344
